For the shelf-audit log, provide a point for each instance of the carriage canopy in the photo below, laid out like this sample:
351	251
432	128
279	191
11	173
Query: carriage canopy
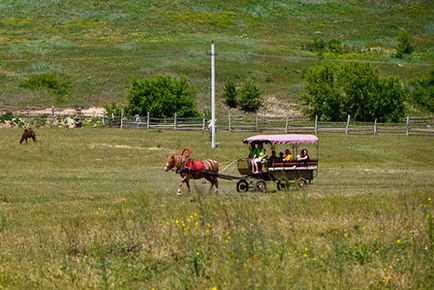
282	139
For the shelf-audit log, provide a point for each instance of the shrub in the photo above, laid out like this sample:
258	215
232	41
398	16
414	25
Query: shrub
162	96
333	92
422	92
230	94
320	46
114	108
57	83
404	44
250	97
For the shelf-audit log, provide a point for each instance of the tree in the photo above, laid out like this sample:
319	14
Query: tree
250	97
333	92
322	96
404	45
162	96
230	94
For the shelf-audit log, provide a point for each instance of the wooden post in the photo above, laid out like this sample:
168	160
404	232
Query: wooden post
52	112
407	126
27	111
316	125
256	123
348	124
147	121
103	118
375	126
122	119
1	109
79	111
229	123
203	121
174	122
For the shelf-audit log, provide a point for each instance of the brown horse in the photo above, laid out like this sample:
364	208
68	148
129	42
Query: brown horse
28	133
193	169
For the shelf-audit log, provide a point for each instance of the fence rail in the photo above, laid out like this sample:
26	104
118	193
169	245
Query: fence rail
232	123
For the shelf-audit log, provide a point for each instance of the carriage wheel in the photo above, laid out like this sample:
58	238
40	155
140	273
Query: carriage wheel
260	185
242	186
302	183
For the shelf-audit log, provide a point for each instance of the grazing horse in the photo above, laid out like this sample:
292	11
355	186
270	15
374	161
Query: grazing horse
192	169
28	133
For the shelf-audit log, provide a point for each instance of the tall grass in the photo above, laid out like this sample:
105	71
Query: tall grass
91	208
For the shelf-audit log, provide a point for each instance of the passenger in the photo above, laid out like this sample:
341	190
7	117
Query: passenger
304	156
262	155
280	158
273	158
253	154
288	156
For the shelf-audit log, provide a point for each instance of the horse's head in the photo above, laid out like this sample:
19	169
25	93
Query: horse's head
170	163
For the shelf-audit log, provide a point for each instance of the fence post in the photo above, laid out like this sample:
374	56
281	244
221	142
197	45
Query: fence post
1	109
407	126
287	124
147	121
203	121
174	122
122	119
375	126
103	118
348	125
79	111
52	112
316	125
229	123
27	111
256	123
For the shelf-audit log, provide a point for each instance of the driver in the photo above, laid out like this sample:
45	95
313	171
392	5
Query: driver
262	155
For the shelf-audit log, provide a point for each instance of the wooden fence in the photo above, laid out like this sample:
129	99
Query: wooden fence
235	123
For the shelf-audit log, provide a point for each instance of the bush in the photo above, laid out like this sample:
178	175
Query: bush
114	108
404	45
333	92
162	96
230	94
57	83
321	46
250	97
422	92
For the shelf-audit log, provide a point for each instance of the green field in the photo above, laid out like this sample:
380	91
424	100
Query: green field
98	46
93	208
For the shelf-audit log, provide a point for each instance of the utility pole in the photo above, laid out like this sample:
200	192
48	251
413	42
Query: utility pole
213	118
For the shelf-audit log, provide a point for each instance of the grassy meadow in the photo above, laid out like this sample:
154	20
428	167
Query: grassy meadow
96	47
93	208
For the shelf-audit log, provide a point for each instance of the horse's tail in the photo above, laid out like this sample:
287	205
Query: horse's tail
211	165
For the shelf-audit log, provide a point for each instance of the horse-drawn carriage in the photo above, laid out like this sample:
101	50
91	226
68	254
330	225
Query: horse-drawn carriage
283	173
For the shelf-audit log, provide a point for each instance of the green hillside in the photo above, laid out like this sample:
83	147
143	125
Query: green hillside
96	47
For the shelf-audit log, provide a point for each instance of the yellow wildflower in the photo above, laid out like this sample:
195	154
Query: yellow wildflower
398	241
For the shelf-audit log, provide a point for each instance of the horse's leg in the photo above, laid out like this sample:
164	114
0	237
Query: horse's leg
216	184
178	192
188	184
213	182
